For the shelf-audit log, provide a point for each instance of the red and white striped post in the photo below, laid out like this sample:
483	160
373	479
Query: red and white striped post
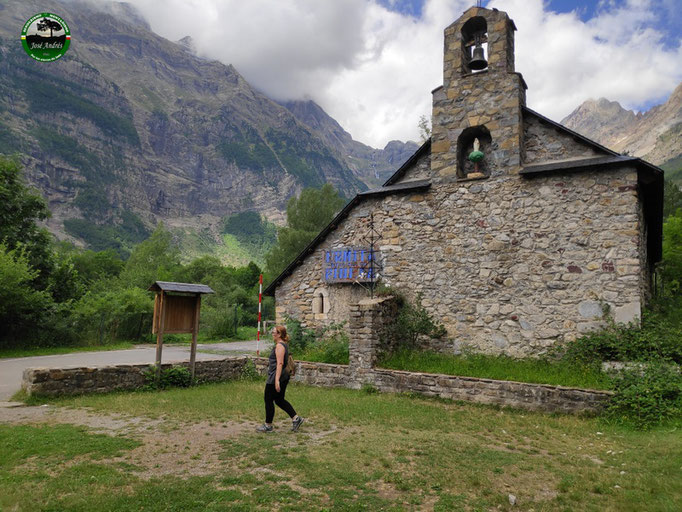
260	299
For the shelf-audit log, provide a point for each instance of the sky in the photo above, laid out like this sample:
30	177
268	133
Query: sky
372	64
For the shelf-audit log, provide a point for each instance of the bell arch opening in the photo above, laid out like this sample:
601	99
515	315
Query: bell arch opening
475	45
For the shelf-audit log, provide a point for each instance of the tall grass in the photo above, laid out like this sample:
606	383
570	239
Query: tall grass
539	371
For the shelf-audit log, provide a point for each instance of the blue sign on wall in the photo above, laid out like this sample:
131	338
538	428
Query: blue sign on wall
349	264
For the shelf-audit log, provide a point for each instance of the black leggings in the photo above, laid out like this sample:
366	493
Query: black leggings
272	397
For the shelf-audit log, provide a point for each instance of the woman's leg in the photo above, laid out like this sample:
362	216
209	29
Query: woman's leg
270	397
281	402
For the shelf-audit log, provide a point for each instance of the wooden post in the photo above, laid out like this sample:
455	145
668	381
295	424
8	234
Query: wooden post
195	331
159	336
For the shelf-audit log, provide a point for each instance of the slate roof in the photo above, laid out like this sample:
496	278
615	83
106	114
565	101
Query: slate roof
167	286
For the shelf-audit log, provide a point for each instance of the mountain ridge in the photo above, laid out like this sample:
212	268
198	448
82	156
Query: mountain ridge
360	157
654	135
131	128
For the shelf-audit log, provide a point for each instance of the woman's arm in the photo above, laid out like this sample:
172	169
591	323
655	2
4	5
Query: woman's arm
279	353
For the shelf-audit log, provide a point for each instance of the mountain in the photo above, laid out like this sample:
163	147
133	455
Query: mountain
655	135
373	166
128	129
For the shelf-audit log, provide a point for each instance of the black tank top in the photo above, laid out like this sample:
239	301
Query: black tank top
272	365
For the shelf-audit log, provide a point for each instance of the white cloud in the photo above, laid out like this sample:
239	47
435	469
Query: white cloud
616	55
372	69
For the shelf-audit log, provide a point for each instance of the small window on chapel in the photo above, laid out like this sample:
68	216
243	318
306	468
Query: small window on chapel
320	303
474	153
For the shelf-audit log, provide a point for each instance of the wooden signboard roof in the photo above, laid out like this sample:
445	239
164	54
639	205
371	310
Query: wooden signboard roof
167	286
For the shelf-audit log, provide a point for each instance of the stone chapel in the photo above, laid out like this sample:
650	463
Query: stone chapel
516	232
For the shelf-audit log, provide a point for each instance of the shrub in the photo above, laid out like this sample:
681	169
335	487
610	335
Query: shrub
658	338
647	395
413	322
24	311
249	372
173	377
326	345
331	346
220	322
299	338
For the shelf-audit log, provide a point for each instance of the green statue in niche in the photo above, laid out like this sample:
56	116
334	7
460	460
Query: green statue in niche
476	155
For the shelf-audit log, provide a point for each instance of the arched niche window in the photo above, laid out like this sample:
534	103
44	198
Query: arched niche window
320	303
474	45
475	139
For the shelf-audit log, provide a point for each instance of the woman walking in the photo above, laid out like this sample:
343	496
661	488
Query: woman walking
276	385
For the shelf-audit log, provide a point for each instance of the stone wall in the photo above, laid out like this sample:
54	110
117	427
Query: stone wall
535	397
509	265
491	99
545	143
419	170
316	374
124	377
294	297
370	331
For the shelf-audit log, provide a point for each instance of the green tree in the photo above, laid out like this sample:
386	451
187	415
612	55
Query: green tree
20	209
307	215
94	266
155	259
23	309
247	277
671	266
672	198
203	270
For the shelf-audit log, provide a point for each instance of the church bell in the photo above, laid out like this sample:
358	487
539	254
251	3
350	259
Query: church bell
478	61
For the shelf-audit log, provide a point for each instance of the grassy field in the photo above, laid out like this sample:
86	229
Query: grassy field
196	449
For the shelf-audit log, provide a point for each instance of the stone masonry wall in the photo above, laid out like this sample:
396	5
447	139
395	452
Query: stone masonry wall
419	170
369	330
543	143
533	397
509	265
124	377
294	297
72	381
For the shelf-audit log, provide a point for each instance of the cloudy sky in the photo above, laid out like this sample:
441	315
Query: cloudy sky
371	64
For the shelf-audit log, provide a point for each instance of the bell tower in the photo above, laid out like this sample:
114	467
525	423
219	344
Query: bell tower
476	117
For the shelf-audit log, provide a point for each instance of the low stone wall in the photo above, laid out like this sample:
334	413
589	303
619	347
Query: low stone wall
534	397
315	374
123	377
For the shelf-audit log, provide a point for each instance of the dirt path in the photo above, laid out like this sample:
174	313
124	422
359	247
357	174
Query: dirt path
167	447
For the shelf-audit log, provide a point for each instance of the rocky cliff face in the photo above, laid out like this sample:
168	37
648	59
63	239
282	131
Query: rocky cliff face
373	166
653	135
128	126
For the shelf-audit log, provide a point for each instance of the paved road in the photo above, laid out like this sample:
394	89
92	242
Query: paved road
11	370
